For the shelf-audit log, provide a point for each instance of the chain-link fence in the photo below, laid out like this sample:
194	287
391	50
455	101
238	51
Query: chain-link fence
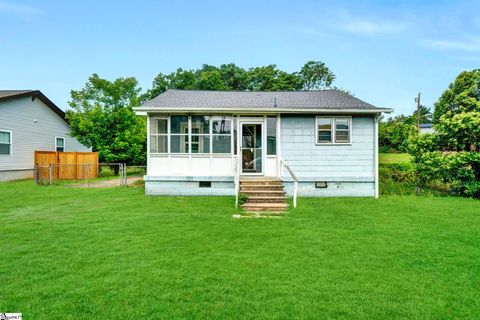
95	175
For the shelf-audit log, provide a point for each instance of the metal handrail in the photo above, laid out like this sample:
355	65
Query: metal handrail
237	183
295	182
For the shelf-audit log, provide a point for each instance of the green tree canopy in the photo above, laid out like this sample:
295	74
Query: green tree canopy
463	95
101	117
314	75
457	113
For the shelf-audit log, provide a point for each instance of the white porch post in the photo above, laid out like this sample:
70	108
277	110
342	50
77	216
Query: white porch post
376	119
148	143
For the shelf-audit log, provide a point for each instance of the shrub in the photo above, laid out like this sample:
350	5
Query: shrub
460	170
397	178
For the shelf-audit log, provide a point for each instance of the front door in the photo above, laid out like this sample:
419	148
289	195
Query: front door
251	148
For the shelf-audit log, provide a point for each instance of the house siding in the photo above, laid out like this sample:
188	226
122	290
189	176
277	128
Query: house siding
348	169
17	116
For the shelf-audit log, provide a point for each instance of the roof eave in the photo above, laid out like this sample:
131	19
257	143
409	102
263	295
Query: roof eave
144	110
38	94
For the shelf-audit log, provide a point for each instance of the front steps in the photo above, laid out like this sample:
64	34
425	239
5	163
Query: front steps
264	195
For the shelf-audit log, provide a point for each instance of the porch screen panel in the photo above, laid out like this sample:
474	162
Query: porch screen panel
271	135
221	134
200	142
179	134
158	135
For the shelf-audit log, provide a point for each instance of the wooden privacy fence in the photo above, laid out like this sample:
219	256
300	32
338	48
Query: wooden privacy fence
67	165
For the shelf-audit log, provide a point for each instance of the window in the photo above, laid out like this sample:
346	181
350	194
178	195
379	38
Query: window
333	130
60	144
179	134
221	134
271	135
158	135
5	142
196	134
200	134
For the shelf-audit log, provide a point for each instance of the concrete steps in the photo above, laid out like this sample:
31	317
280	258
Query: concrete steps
264	195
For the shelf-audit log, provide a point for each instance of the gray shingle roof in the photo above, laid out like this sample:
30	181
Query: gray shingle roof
15	94
8	93
253	100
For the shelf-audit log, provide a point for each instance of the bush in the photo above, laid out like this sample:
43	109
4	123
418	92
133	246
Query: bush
397	178
459	170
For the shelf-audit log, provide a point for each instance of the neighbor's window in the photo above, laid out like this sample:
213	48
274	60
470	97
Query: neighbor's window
60	144
179	135
333	130
271	135
158	135
221	134
5	142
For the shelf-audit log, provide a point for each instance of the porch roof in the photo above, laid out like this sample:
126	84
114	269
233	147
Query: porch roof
330	100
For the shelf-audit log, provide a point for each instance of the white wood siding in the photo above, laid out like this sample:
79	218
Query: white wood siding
18	115
327	162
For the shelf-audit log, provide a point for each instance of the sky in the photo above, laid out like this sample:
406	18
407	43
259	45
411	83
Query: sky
384	52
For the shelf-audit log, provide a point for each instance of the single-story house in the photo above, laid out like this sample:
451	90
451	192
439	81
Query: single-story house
29	121
201	142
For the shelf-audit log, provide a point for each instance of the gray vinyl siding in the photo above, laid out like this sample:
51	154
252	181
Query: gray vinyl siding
353	162
18	115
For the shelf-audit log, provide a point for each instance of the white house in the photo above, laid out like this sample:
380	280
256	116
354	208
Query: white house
203	142
29	121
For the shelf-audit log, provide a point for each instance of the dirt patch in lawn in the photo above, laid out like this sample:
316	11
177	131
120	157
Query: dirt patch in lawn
131	181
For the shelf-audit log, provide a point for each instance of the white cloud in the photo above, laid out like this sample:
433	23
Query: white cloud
18	9
472	44
370	27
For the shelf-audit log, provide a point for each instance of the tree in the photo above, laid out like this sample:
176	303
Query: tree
424	113
394	134
102	118
269	78
234	77
210	80
457	113
460	132
160	84
463	95
182	79
315	75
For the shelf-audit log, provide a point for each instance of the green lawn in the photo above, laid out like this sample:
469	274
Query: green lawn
69	253
394	157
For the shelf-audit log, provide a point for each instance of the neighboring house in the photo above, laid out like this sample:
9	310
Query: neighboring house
200	141
426	128
29	121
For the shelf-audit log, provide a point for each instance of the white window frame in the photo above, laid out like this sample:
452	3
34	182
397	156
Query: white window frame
210	134
200	142
11	143
181	135
64	140
221	134
333	130
150	134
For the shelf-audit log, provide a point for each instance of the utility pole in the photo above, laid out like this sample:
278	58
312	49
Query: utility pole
417	100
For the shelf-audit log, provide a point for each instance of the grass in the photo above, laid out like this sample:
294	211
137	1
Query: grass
70	253
394	157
